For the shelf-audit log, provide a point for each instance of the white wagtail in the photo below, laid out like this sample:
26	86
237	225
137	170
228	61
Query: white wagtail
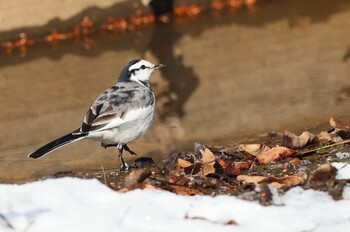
119	115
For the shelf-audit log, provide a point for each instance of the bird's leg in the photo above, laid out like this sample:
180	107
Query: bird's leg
126	148
120	148
124	166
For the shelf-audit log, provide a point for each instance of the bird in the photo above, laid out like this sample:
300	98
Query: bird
119	115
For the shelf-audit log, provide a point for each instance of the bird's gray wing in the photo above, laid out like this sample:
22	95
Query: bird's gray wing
122	103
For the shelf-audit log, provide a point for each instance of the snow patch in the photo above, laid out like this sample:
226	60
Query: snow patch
342	155
343	170
71	204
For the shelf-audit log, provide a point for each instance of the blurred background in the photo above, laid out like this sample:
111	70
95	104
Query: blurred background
236	69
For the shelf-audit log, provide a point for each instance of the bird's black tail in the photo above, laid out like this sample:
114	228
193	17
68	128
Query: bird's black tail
60	142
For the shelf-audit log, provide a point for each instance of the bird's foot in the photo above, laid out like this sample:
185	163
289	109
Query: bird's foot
124	167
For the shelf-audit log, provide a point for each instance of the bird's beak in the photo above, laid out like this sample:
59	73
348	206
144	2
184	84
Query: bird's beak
158	66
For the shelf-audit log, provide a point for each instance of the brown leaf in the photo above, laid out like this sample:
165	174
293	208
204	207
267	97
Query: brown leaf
149	186
208	156
207	163
323	177
286	182
183	190
178	180
339	125
184	163
203	167
342	129
274	154
207	168
251	179
295	160
293	141
137	176
253	149
234	167
172	180
324	136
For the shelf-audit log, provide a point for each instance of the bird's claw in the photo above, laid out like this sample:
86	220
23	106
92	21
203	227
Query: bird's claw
124	167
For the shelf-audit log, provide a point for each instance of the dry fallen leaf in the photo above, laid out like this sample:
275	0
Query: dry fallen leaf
183	190
135	180
251	179
339	125
183	163
253	149
342	129
293	141
149	186
295	160
178	180
136	177
207	168
208	162
208	156
274	154
323	177
234	167
286	182
203	167
324	136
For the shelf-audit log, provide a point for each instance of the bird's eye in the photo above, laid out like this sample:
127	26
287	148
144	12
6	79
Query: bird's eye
143	67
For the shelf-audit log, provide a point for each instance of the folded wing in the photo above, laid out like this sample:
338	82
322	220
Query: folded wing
116	106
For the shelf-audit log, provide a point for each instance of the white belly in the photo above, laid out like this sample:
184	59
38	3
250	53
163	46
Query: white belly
125	132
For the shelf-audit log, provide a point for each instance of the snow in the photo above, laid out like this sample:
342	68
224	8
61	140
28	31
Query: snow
342	155
343	170
71	204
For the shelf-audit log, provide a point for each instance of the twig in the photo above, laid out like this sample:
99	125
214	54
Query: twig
328	146
104	173
6	221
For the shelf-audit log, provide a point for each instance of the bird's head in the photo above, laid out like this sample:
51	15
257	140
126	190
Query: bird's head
138	70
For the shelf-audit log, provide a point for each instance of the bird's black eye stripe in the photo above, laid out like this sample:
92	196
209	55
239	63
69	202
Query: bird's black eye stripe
136	69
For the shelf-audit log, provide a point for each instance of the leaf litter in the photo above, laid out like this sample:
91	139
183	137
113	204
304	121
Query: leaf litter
244	170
